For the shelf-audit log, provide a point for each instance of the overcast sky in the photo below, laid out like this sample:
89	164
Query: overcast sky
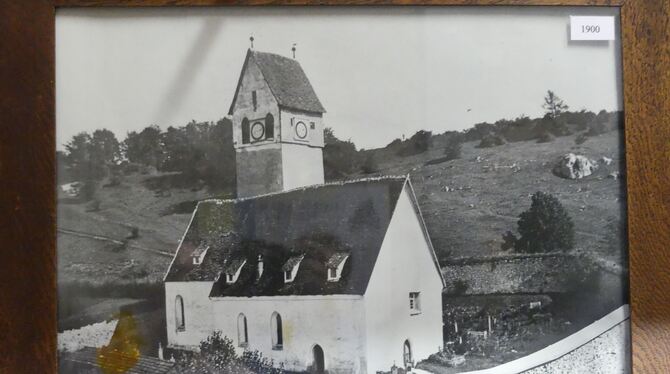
379	72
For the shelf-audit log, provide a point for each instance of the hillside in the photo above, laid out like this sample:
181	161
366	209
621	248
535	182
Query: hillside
467	203
98	246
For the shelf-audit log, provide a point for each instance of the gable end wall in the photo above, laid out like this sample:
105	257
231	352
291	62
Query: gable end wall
405	264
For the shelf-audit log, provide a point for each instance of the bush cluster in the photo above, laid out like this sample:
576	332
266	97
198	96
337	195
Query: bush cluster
199	150
217	355
418	143
545	227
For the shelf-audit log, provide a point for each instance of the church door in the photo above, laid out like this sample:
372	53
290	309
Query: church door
318	366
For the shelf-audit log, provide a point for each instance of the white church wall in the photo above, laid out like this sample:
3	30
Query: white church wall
197	313
336	323
301	166
314	136
405	264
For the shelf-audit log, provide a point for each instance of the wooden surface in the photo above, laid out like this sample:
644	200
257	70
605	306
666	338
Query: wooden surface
646	49
27	174
331	2
27	189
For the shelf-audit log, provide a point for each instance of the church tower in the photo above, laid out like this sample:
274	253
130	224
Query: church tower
277	126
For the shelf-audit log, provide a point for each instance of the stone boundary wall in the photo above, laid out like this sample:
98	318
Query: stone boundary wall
513	274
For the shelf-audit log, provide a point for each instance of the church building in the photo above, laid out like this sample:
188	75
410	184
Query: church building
323	278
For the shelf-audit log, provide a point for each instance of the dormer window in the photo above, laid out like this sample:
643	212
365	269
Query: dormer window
290	268
335	265
199	254
234	268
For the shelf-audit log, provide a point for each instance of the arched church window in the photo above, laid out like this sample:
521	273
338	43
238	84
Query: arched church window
407	359
180	322
277	332
242	333
269	126
245	131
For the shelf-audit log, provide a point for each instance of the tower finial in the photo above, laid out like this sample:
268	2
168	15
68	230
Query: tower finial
251	39
293	49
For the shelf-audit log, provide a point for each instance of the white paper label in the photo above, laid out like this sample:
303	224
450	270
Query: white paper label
591	28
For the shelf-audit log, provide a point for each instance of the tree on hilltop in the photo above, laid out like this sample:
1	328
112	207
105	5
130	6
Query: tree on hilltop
553	105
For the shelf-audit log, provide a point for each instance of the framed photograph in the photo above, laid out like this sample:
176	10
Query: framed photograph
387	189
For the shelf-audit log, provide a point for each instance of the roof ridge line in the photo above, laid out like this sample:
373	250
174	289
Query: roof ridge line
314	186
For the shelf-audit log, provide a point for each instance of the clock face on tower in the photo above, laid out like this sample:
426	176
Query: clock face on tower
301	130
257	131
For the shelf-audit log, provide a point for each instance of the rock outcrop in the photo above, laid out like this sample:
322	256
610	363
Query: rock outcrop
572	166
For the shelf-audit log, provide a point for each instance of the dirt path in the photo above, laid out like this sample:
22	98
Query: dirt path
112	240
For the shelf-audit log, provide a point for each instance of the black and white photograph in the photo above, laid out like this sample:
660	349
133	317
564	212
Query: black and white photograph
373	190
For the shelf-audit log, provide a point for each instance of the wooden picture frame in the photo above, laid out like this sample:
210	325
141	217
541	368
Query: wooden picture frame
27	165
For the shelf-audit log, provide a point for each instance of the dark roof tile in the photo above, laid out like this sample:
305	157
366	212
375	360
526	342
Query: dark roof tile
316	222
336	259
234	264
286	80
292	262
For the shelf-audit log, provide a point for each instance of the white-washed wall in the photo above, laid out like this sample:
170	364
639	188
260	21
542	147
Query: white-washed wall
198	313
301	166
405	264
336	323
314	136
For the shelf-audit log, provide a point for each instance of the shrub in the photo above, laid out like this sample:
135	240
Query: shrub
452	149
596	128
339	156
580	119
545	137
217	355
134	233
255	361
460	287
218	348
581	138
521	128
88	189
114	181
509	241
369	164
93	206
491	140
553	126
545	227
418	143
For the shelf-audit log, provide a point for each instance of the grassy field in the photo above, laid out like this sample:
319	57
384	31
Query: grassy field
88	241
468	203
490	187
